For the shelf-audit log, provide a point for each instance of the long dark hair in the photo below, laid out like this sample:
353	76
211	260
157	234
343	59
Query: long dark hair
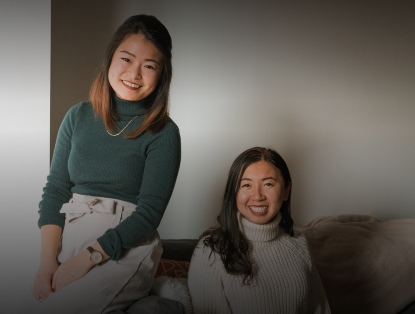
227	240
101	93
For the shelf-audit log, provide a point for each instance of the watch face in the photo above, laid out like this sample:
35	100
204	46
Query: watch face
96	257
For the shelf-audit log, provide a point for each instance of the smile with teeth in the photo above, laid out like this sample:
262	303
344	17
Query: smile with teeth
258	209
131	84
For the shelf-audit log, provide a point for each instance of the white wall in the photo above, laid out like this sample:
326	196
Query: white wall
24	140
330	85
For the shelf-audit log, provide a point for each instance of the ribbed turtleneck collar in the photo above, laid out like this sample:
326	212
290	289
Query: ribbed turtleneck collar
259	233
129	108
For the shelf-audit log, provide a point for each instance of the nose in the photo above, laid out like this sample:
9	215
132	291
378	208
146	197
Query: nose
136	72
257	194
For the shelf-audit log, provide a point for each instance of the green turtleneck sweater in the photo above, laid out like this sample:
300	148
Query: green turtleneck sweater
88	161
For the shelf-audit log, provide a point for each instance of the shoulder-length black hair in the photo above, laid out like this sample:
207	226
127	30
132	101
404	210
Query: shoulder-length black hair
227	240
101	93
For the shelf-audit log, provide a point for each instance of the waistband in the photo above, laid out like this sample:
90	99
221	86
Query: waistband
86	204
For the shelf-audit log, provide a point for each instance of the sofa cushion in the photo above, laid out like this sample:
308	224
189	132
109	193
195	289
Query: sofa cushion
366	265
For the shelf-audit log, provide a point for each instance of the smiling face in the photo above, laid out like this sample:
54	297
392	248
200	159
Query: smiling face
261	192
135	68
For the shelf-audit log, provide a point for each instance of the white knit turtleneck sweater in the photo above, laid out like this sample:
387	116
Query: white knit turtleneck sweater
285	278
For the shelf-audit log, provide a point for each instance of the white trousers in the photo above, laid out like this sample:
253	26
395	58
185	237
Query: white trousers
115	284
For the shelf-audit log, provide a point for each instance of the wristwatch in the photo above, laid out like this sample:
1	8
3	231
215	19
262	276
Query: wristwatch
95	257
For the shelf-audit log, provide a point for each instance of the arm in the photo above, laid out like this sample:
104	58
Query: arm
159	177
50	237
56	192
206	283
318	303
318	299
58	187
75	268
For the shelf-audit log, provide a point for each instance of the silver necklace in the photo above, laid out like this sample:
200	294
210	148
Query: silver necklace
123	128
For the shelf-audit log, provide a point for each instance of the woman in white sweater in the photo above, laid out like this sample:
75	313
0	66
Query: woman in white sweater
253	262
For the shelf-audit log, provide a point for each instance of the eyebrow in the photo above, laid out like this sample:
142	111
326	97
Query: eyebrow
133	55
264	179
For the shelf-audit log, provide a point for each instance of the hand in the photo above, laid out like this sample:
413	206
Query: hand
71	270
42	287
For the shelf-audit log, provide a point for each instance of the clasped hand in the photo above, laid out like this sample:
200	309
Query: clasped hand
52	278
71	270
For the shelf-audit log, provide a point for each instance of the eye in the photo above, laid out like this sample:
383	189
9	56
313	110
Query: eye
126	60
149	67
268	184
246	185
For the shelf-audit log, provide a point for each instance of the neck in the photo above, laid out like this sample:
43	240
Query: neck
259	233
127	108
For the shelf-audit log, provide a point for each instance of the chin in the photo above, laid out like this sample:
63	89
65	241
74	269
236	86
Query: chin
128	97
258	220
261	220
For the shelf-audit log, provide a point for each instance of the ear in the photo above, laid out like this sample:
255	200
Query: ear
287	191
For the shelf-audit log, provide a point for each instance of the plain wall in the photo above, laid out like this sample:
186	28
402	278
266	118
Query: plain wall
330	85
24	141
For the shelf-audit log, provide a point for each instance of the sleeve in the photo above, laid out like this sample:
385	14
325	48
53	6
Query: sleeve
318	303
205	281
57	190
159	177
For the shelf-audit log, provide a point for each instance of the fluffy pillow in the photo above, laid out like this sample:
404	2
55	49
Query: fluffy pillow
154	304
173	289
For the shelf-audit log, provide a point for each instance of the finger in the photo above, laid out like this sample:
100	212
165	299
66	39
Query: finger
40	295
35	292
57	283
60	284
38	291
45	287
54	281
45	291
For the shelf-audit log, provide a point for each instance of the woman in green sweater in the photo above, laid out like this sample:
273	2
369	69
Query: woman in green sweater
254	262
113	171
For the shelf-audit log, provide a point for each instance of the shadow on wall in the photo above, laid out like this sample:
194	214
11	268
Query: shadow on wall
343	172
302	152
80	32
